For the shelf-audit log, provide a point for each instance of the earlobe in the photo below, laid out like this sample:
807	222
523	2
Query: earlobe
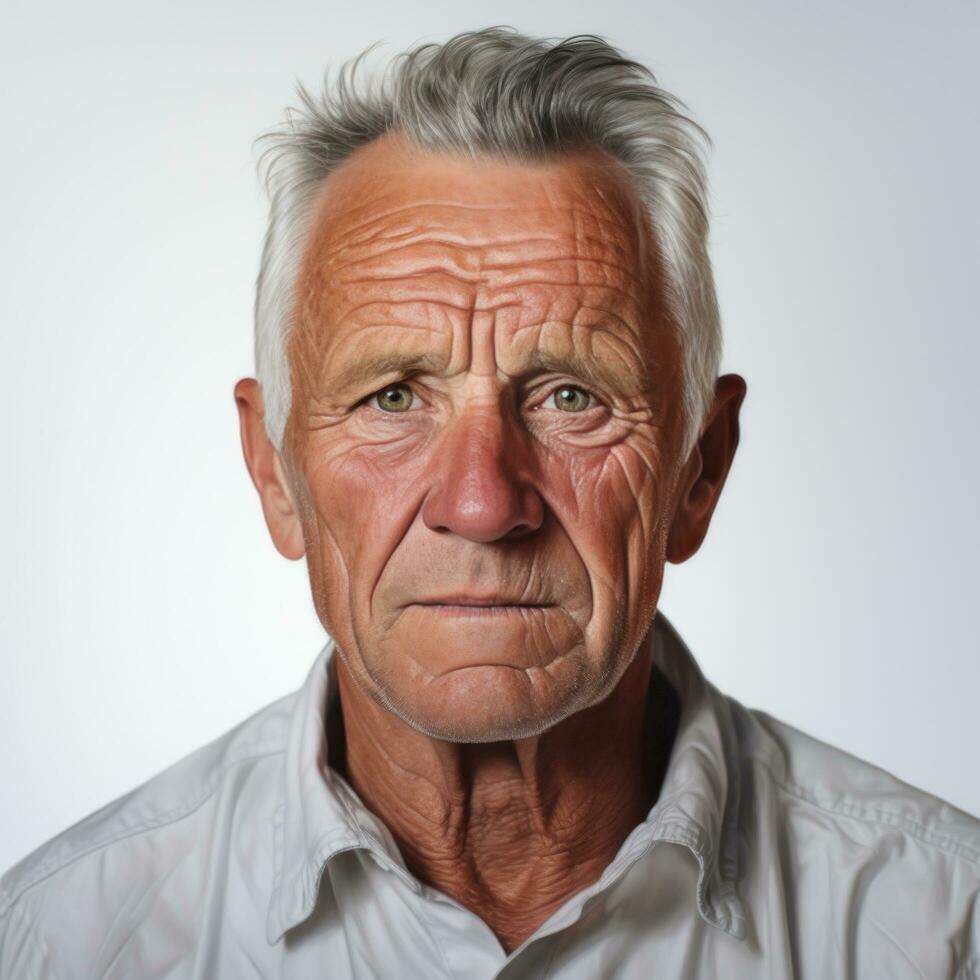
706	471
683	539
268	473
288	538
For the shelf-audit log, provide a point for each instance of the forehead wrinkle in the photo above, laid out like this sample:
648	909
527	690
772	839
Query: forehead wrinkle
566	272
532	274
465	307
489	264
409	239
606	301
559	341
337	250
444	290
355	234
467	262
630	268
363	334
307	345
421	258
577	323
411	313
565	267
603	269
408	312
490	255
508	280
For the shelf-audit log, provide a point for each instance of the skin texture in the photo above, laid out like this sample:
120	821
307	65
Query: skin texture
482	466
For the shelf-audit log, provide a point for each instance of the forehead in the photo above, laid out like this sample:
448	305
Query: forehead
408	246
384	180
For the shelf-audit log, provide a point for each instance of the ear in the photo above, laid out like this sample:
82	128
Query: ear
267	472
705	471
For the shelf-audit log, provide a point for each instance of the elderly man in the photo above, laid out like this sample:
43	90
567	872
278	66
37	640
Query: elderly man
488	413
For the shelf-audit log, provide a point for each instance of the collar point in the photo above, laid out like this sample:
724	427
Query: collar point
730	919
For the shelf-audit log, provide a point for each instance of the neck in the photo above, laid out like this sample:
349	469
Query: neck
512	830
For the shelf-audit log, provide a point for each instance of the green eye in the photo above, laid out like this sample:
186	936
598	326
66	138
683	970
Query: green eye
569	398
395	398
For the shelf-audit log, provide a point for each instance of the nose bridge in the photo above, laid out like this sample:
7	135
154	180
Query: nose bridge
480	487
481	433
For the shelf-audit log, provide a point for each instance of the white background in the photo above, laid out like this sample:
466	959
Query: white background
143	610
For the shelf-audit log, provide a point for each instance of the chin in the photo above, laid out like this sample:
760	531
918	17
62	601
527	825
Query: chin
489	703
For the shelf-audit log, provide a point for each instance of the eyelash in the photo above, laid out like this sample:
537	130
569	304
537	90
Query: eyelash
593	403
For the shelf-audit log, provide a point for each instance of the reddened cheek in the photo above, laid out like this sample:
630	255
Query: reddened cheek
631	489
595	428
361	490
368	431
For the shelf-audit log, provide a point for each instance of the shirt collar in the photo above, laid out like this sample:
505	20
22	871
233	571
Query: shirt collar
698	805
319	815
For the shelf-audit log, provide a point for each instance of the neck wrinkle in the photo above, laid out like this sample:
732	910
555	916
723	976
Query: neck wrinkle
511	830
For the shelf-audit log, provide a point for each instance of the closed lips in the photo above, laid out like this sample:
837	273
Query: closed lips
478	602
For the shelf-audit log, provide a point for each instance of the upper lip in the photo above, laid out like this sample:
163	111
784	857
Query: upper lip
487	599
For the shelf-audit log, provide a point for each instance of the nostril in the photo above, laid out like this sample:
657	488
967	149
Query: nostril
532	514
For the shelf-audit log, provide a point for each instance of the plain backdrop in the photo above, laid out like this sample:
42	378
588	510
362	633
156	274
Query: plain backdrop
143	609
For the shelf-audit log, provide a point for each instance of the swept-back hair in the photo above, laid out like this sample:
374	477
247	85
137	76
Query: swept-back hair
497	92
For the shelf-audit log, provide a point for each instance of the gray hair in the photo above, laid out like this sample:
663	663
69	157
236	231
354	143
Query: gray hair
498	92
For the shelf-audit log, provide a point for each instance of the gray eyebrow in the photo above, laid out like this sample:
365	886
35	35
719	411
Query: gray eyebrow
593	372
374	367
378	365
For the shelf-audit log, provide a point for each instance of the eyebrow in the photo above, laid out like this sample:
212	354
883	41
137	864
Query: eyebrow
594	372
599	373
376	366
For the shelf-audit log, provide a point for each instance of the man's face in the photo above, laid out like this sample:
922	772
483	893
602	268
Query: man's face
485	433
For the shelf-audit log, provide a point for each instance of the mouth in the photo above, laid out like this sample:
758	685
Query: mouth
471	610
465	605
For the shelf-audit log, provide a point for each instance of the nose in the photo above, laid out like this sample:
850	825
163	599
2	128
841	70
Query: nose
481	488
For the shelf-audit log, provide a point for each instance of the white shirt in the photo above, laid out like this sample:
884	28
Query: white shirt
768	854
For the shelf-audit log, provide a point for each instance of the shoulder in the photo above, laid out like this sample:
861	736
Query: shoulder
839	783
850	834
124	847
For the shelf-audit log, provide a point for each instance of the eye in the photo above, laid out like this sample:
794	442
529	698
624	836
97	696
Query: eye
571	398
397	397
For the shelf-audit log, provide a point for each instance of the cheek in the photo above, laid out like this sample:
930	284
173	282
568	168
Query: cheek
612	501
366	496
363	495
631	484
